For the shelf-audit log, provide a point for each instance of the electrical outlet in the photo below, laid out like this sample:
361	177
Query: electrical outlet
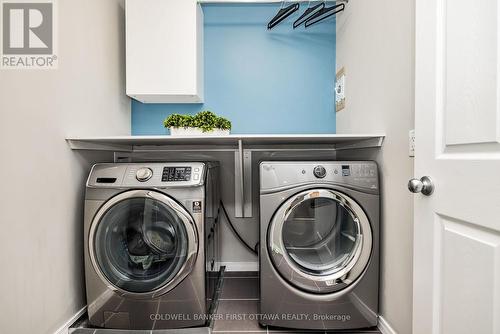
412	143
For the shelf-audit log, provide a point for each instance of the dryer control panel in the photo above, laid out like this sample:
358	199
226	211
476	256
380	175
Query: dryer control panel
140	175
357	174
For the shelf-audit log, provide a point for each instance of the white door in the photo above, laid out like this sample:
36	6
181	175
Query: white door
457	228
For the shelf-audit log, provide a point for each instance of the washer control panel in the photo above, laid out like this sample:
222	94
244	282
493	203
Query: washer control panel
182	174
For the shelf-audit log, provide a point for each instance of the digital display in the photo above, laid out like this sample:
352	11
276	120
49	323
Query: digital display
346	170
176	174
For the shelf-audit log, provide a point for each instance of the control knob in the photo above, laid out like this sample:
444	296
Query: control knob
319	172
143	174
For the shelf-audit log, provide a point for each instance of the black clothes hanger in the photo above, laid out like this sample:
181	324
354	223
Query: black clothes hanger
324	13
283	14
310	11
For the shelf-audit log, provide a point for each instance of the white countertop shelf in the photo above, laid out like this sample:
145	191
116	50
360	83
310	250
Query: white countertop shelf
285	141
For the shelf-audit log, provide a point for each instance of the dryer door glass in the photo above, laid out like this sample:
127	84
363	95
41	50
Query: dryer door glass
320	240
320	236
141	244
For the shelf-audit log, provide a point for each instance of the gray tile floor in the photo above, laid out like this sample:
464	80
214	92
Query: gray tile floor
236	312
239	305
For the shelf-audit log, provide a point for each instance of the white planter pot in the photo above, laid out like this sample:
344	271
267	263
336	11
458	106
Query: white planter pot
179	132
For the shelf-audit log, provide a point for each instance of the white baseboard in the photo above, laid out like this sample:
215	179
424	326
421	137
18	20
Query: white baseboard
64	328
241	266
384	326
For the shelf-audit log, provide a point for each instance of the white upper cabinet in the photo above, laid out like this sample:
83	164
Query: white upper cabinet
164	51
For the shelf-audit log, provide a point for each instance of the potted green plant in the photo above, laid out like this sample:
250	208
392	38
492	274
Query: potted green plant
204	123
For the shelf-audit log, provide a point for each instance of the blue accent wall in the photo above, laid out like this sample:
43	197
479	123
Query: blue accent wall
269	82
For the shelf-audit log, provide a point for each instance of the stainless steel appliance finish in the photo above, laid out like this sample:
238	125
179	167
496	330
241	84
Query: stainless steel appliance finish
151	244
319	244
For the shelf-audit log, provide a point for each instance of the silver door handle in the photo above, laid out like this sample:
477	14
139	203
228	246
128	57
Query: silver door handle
424	186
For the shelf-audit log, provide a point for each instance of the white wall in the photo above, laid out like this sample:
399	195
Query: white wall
375	43
41	243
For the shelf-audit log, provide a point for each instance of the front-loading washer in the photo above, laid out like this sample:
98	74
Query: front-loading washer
150	238
319	244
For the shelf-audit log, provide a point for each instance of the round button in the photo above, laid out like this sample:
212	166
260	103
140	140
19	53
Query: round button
143	174
319	172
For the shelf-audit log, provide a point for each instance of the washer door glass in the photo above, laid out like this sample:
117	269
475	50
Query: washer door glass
320	236
141	244
320	240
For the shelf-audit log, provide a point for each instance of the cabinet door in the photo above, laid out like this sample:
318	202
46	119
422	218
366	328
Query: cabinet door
164	51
